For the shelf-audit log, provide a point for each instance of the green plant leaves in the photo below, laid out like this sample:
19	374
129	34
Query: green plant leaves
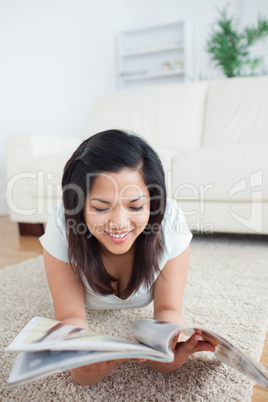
229	49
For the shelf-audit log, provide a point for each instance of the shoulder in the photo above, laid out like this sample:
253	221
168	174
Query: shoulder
57	220
55	238
174	221
175	233
59	215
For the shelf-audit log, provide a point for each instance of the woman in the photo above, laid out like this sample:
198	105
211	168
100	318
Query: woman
117	242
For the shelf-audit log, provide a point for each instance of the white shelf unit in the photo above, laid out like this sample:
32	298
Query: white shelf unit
155	54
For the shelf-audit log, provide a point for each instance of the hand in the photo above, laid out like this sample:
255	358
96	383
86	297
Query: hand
182	350
93	373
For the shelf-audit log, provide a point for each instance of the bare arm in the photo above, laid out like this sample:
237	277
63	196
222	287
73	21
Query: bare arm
168	295
67	293
169	288
69	306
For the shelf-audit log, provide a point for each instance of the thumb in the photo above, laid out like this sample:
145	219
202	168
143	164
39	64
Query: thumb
174	341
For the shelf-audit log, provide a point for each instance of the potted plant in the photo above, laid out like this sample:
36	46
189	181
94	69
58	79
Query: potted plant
230	49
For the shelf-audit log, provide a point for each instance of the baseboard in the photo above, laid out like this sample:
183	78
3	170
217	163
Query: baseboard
3	206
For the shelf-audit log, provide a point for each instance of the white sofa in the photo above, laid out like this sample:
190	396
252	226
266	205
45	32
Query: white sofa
211	136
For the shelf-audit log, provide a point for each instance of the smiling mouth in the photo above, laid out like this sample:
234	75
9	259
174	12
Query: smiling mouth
117	235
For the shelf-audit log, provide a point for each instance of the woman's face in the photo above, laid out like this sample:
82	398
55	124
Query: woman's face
117	210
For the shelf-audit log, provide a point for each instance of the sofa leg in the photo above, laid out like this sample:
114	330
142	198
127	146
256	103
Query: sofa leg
31	229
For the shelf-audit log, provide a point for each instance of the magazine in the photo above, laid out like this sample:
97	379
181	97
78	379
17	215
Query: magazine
46	346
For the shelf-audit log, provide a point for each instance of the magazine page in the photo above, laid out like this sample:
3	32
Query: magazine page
156	334
47	334
159	335
31	366
235	357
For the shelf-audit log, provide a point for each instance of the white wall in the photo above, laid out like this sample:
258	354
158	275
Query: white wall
57	56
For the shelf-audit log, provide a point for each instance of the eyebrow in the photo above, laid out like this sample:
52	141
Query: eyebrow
107	202
137	199
100	200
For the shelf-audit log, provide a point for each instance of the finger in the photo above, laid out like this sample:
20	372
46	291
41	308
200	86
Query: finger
190	344
203	346
174	341
114	363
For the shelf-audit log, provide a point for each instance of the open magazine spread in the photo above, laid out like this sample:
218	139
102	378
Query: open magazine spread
47	346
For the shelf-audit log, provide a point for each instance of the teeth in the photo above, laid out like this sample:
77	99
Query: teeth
117	236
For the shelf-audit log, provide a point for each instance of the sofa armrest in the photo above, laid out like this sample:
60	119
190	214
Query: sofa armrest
22	149
22	152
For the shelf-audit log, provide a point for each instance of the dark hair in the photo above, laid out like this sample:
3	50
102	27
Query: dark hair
112	151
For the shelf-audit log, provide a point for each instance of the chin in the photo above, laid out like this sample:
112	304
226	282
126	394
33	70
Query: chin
119	249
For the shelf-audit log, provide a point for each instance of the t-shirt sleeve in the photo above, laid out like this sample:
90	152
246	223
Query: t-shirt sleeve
55	240
176	235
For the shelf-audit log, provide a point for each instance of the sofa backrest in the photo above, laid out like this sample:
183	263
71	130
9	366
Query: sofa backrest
169	116
237	111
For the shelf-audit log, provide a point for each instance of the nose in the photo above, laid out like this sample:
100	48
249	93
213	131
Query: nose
118	219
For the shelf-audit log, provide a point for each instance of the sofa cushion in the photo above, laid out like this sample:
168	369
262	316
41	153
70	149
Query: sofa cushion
237	111
169	116
47	174
221	173
166	156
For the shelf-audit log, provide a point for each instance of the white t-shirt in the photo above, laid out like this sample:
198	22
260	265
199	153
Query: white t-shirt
176	236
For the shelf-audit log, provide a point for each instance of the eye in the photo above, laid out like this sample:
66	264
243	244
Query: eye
101	210
136	208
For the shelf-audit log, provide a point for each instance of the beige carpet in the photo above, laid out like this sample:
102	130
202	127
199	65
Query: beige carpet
227	291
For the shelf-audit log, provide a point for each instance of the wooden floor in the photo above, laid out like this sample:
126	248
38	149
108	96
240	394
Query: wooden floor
15	249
